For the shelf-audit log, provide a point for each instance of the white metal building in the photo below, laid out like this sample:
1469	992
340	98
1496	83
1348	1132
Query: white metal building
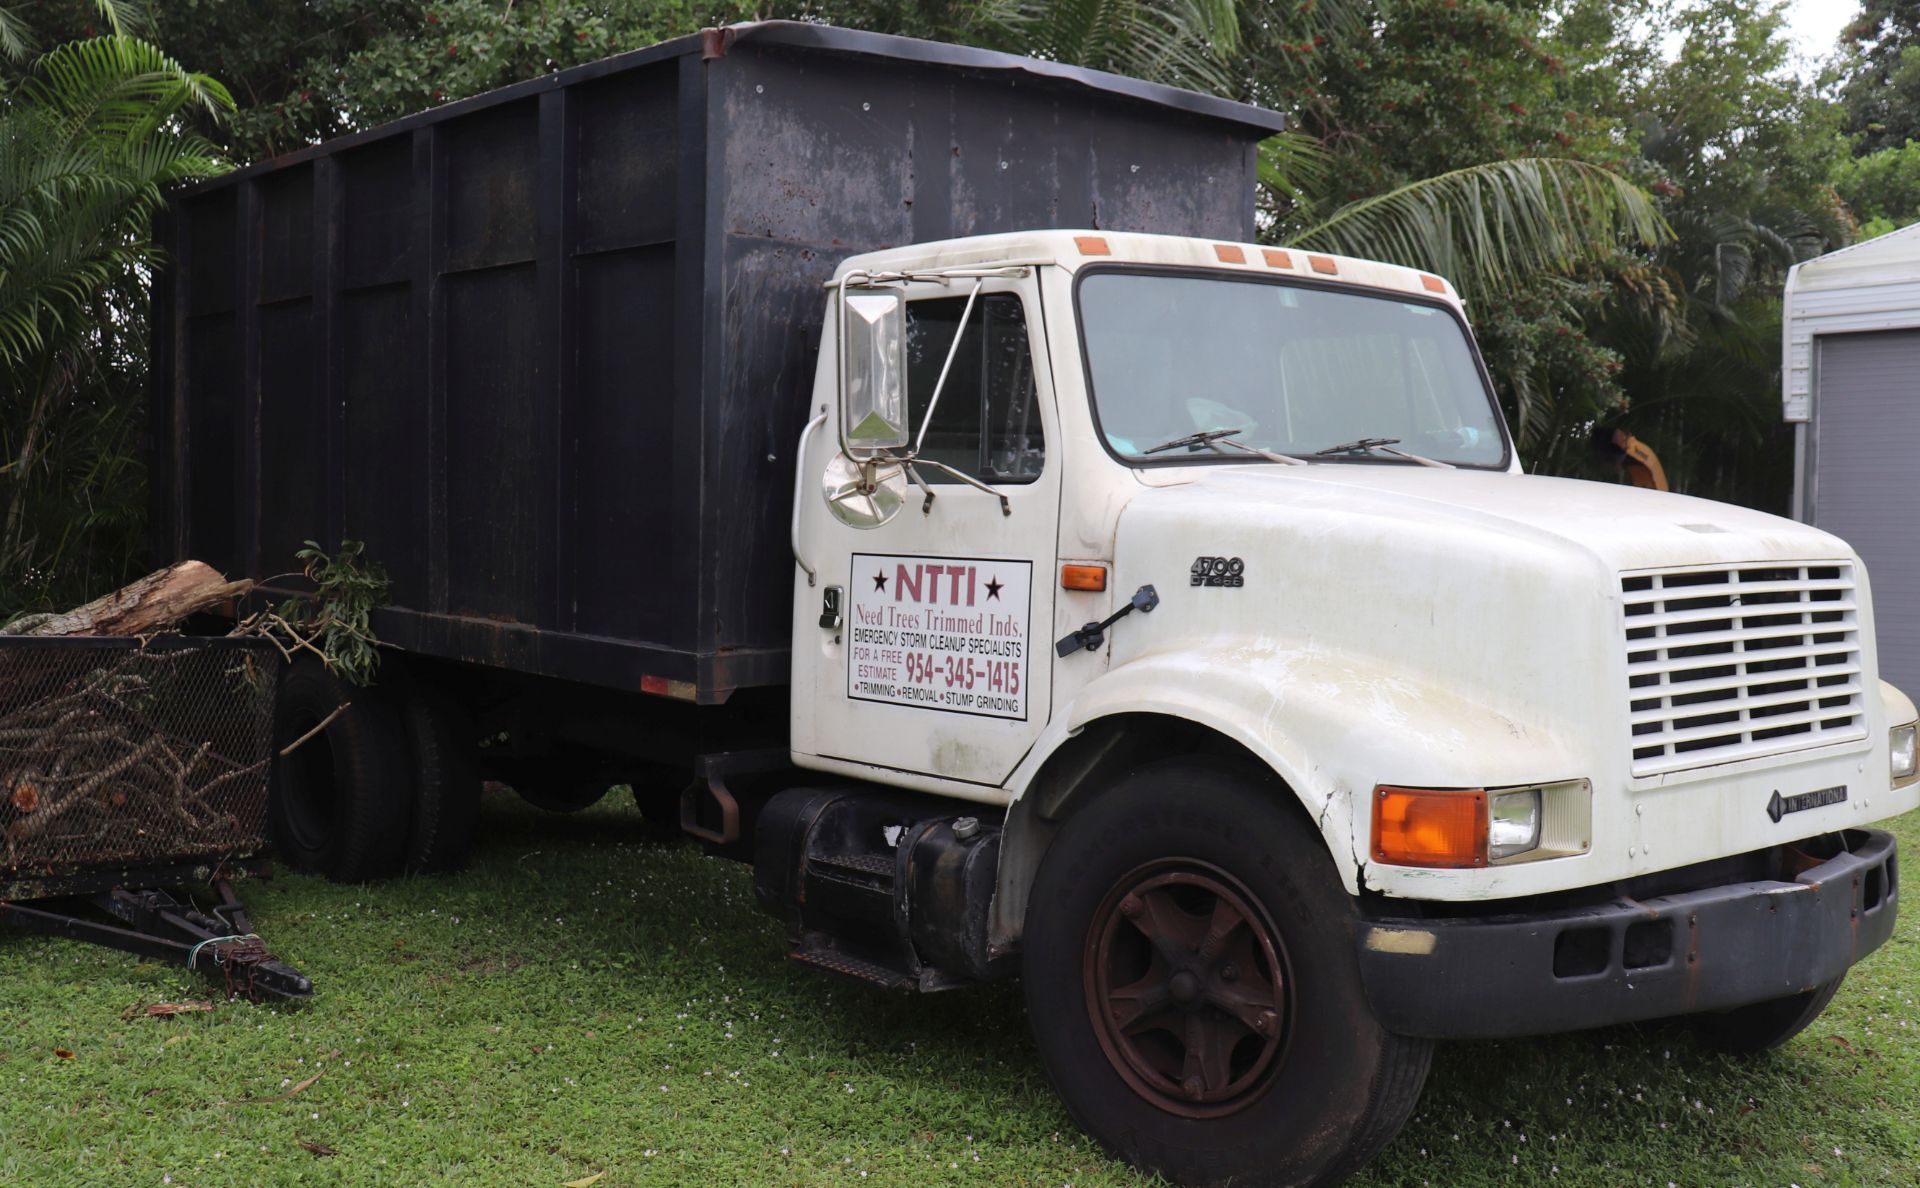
1851	383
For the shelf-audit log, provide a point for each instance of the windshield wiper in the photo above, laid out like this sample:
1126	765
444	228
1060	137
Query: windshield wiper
1383	445
1214	439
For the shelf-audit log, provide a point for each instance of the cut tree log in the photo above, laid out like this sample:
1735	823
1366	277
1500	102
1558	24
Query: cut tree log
154	603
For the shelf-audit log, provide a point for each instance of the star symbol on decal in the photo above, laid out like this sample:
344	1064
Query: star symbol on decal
879	581
993	587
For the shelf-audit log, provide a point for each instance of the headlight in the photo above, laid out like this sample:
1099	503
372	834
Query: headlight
1513	823
1469	827
1906	759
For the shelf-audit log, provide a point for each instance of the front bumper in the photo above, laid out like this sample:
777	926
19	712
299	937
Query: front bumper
1682	952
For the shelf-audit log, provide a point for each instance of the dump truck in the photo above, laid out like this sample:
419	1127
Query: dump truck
904	468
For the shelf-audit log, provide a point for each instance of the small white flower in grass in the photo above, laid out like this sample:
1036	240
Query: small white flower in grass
849	1088
315	1116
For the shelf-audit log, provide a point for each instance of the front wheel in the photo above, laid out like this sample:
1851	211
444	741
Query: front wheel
1193	989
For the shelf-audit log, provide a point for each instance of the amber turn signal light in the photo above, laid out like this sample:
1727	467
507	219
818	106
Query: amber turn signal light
1083	577
1433	827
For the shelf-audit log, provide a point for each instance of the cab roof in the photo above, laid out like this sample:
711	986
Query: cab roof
1076	249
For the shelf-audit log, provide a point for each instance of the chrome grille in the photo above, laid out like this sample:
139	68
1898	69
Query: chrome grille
1737	662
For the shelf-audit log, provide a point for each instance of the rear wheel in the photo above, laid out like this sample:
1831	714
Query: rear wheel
341	798
1764	1025
446	777
1194	992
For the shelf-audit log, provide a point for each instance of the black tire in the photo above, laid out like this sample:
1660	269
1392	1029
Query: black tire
1763	1026
1307	1101
446	781
340	801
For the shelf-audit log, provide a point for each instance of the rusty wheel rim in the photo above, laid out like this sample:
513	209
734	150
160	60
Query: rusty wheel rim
1187	986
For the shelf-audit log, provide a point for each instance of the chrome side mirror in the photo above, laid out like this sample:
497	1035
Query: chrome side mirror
873	371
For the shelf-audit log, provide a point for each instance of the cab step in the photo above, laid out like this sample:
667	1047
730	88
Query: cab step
847	965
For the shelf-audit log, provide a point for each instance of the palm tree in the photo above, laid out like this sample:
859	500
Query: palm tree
91	135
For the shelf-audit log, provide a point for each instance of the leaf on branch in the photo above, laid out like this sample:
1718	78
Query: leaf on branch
1492	228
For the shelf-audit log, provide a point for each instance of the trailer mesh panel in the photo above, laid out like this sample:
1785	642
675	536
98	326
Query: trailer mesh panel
118	754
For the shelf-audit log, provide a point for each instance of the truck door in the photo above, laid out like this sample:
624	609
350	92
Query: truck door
922	646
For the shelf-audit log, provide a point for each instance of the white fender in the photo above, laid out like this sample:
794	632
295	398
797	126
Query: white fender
1328	725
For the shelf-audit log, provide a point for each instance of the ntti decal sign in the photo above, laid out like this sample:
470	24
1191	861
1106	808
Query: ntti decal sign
942	633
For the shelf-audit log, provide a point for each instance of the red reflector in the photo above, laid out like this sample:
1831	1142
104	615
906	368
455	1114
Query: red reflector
1083	577
1438	827
1229	254
660	686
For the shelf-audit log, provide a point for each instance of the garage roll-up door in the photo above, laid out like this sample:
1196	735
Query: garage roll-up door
1866	476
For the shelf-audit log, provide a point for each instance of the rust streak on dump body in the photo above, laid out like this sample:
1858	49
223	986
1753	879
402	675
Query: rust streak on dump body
714	43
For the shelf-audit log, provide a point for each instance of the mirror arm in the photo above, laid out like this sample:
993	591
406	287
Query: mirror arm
926	505
1006	508
939	385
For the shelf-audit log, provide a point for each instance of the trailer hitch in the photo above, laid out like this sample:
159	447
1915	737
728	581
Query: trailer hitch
1093	635
158	925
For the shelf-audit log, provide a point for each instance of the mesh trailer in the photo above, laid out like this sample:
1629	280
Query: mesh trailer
548	350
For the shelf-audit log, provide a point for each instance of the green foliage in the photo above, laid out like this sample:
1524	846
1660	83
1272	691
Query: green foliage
321	69
1878	70
1882	189
331	622
1494	229
91	135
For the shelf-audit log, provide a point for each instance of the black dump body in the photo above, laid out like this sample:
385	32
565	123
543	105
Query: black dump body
548	351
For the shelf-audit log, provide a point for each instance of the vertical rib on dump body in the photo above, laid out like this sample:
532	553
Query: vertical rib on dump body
548	350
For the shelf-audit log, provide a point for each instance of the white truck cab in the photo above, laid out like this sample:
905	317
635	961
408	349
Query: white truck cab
1320	729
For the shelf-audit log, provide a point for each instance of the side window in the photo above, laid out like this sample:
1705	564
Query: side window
986	424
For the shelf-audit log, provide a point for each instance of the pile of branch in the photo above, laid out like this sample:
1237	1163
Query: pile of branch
155	603
90	770
89	773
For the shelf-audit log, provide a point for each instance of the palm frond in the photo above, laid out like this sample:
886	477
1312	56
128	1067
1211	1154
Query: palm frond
1490	228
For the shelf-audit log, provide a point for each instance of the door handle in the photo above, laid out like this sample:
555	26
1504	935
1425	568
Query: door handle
830	608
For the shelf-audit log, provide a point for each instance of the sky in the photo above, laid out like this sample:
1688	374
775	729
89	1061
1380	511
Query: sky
1815	24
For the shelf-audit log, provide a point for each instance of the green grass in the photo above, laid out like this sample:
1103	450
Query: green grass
585	1000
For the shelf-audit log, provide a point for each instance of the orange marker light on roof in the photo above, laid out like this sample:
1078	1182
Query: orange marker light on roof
1092	245
1229	254
1431	827
1277	259
1433	284
1324	264
1083	577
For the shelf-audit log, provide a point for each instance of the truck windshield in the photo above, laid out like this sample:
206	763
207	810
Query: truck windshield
1294	369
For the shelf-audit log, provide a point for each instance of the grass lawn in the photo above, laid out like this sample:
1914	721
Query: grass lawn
585	1001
